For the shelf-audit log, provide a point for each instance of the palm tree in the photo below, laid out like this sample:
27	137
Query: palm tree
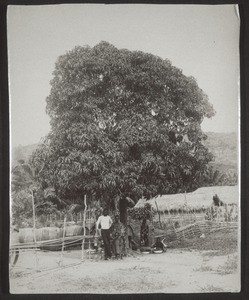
214	177
23	177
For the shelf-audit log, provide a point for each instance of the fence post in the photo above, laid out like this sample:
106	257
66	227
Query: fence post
172	223
89	232
84	229
159	217
182	219
34	226
63	240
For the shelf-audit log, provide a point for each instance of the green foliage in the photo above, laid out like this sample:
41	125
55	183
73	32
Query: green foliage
24	185
22	177
123	124
21	207
45	203
225	213
145	212
213	177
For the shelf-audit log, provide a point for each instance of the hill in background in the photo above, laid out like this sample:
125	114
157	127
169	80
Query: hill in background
224	146
22	152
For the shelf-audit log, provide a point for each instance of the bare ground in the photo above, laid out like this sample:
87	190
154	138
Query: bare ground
176	271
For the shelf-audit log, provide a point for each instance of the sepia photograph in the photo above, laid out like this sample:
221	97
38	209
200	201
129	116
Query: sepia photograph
124	149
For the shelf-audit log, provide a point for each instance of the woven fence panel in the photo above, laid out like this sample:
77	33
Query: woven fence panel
203	227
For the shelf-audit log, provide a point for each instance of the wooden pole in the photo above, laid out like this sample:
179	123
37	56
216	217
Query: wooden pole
34	226
185	196
89	227
194	214
34	221
159	217
63	240
218	215
182	221
84	229
172	222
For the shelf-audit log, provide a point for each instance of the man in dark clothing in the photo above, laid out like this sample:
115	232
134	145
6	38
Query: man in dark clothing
118	234
105	223
144	234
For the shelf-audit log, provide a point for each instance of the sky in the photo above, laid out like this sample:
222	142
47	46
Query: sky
202	40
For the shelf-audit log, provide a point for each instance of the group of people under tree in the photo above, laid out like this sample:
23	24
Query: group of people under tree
112	230
114	236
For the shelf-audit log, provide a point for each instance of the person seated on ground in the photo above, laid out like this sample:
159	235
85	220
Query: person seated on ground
132	244
159	245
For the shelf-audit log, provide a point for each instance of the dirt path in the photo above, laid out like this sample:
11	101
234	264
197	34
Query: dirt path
171	272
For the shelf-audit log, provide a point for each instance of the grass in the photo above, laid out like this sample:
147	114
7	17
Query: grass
230	266
18	274
211	289
204	269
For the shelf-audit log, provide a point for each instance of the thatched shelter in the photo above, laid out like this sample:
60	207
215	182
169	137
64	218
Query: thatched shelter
198	200
182	209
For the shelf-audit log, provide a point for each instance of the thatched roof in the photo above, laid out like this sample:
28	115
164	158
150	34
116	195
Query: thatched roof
202	198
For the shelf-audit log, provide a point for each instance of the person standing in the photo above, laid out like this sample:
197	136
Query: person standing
105	222
118	234
144	234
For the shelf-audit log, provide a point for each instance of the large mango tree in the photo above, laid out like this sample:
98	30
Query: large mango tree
123	124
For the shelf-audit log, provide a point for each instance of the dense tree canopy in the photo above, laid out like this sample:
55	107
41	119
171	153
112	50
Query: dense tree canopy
123	123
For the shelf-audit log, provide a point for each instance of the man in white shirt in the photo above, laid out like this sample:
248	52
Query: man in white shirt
105	223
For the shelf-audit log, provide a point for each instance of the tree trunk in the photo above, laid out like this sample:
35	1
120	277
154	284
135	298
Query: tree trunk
123	218
123	211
